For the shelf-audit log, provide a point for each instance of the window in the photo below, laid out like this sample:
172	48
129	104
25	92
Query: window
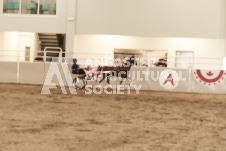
29	7
184	59
120	55
151	58
11	6
43	7
47	7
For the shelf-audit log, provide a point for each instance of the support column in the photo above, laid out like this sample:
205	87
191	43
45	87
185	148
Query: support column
224	60
70	28
225	28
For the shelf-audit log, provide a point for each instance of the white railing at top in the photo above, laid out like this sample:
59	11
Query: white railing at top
55	48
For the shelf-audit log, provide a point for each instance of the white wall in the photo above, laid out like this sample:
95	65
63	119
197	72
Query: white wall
36	23
13	45
10	46
26	40
206	51
153	18
1	45
1	40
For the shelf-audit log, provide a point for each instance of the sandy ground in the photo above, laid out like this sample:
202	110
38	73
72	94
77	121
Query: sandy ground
149	121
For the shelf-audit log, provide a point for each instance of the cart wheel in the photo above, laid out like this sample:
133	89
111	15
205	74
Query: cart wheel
79	83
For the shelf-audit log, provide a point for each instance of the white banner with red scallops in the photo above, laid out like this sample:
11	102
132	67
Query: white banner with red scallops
208	81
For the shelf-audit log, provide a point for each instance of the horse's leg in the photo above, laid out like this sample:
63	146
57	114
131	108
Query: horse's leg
102	78
95	77
123	77
95	81
108	78
121	81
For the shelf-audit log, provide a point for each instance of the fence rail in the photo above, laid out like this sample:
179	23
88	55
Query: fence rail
108	59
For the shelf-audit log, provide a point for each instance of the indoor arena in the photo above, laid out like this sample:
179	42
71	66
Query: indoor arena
109	75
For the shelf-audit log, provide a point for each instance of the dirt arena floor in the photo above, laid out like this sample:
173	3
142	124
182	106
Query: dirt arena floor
149	121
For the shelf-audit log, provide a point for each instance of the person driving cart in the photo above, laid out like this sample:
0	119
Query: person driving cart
76	69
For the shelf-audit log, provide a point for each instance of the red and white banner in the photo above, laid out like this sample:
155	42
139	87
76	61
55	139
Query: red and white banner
209	77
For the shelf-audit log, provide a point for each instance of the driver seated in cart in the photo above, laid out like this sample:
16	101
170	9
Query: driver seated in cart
76	69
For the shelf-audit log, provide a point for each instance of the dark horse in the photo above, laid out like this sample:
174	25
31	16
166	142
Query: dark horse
121	71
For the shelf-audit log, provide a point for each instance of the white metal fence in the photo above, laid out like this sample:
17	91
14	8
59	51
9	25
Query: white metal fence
16	68
108	59
158	79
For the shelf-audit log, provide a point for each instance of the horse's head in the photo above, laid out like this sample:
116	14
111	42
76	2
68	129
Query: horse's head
131	61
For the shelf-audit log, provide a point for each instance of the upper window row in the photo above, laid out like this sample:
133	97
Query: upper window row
47	7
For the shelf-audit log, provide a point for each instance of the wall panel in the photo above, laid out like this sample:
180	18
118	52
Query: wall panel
158	79
173	18
173	80
8	72
31	73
